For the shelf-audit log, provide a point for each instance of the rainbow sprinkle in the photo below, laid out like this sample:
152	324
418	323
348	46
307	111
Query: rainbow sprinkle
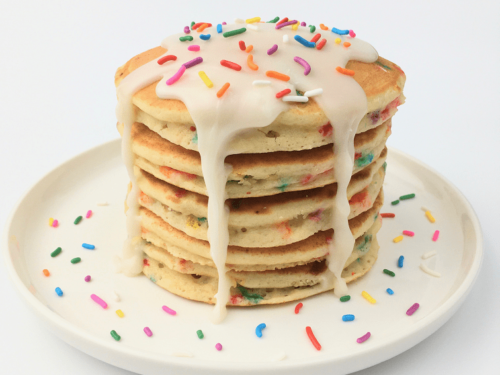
259	328
230	65
120	313
87	278
59	292
200	334
176	76
186	38
313	339
77	220
89	214
205	36
412	309
218	346
219	28
251	64
408	233
298	307
76	260
56	252
304	42
46	272
284	24
345	298
193	62
228	34
429	216
88	246
400	261
205	79
435	236
369	298
363	338
407	196
168	310
398	239
272	50
348	318
339	32
304	63
223	90
388	272
115	335
194	48
99	301
390	291
148	332
314	92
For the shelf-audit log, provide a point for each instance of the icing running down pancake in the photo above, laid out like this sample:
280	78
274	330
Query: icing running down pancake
229	94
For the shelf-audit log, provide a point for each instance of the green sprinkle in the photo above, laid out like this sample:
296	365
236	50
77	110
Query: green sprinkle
200	334
382	65
77	220
185	38
274	20
385	166
192	24
395	202
298	93
407	196
56	252
76	260
390	273
234	32
115	335
345	298
252	297
312	28
202	219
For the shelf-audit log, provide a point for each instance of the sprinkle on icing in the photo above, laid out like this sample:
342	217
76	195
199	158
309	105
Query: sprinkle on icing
251	64
323	27
280	76
321	44
304	42
339	32
223	90
273	49
230	65
313	339
304	63
205	79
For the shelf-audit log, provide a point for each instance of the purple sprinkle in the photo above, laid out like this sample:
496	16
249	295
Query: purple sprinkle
285	24
303	24
301	61
168	310
412	309
87	278
148	332
193	62
218	346
186	30
224	23
364	338
273	49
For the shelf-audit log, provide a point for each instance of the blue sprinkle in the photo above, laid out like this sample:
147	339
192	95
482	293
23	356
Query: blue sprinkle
258	330
304	42
205	36
348	318
88	246
219	28
400	261
59	292
390	291
340	32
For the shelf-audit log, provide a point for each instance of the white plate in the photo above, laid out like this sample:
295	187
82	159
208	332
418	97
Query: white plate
98	176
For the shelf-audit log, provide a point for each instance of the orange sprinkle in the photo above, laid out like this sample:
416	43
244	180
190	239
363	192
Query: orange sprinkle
202	27
323	27
46	272
251	64
273	74
249	49
223	90
347	44
347	72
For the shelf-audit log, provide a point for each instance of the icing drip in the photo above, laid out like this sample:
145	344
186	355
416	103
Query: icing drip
248	105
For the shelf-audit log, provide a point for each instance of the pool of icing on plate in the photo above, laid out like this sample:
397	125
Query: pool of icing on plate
246	105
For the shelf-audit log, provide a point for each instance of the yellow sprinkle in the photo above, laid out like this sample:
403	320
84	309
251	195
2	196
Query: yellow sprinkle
51	221
120	313
398	239
338	40
368	297
430	217
205	79
296	26
253	20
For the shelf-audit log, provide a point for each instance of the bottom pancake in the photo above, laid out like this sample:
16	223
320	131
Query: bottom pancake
204	288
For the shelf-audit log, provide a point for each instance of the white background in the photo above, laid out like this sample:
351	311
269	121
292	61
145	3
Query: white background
57	99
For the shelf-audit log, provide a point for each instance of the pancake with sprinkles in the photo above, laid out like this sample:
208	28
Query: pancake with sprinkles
256	155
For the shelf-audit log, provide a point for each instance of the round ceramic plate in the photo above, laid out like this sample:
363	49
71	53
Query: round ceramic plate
98	176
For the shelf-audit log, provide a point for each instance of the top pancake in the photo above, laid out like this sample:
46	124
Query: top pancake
382	82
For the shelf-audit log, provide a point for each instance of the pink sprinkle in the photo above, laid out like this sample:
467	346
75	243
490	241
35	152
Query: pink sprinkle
147	331
273	49
89	214
408	233
176	76
218	346
412	309
435	236
224	23
87	279
186	31
302	24
99	301
364	338
194	48
168	310
352	34
55	223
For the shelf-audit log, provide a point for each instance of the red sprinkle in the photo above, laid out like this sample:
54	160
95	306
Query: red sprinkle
315	342
192	128
388	215
230	65
298	307
321	44
164	59
316	38
243	47
283	93
283	20
196	25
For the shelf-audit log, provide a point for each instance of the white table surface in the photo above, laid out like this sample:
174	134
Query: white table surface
57	98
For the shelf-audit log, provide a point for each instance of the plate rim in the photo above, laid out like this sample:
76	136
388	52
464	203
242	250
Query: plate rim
76	337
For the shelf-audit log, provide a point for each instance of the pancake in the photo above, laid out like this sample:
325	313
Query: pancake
204	288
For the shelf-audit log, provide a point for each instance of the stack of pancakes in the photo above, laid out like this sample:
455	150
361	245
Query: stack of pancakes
280	193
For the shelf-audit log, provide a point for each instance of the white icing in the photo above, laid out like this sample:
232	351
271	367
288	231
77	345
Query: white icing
249	103
429	254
